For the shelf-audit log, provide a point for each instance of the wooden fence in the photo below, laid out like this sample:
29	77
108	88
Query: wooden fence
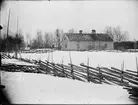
99	75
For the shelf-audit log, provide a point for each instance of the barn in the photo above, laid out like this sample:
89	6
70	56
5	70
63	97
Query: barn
86	41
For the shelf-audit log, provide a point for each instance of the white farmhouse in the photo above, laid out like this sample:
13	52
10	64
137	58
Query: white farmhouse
86	41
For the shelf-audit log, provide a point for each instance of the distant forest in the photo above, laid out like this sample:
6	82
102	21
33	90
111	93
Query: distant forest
14	42
10	43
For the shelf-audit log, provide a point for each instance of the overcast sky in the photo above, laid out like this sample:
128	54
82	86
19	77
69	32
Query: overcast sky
86	15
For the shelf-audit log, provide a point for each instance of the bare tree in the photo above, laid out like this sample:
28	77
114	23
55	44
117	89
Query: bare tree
59	35
34	44
109	30
37	42
71	30
125	35
27	38
51	40
48	39
116	33
39	39
21	37
135	44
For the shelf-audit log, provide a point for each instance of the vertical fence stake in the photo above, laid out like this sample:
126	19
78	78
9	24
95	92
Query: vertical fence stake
47	66
70	57
54	69
137	65
100	74
47	61
53	64
72	71
63	70
63	67
71	66
88	70
122	68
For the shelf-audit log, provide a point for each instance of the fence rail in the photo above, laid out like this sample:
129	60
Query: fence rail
99	75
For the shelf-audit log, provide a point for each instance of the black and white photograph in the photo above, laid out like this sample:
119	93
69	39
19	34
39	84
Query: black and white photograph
69	51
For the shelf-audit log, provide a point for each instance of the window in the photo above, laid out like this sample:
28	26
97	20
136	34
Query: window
65	45
78	46
105	45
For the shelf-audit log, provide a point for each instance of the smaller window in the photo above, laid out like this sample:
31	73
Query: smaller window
105	45
65	45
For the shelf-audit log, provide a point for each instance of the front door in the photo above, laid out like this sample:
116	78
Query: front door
78	46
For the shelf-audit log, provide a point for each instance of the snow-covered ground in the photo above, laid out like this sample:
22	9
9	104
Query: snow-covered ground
15	61
29	88
101	58
25	88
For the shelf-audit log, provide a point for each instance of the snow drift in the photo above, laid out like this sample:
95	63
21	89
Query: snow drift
29	88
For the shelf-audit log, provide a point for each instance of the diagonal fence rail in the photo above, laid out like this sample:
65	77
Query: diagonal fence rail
99	75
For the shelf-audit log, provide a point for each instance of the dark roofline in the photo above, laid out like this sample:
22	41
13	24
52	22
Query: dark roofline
95	37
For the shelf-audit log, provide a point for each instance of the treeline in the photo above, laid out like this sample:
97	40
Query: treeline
53	40
11	43
46	40
116	33
125	45
41	41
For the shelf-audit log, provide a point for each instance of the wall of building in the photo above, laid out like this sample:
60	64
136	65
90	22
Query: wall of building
73	45
110	45
103	45
65	43
81	45
88	45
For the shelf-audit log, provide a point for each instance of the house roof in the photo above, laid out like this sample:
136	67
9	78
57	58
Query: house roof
78	37
88	37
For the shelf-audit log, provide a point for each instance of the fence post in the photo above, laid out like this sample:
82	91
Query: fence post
122	77
72	71
39	61
137	65
63	69
71	66
46	65
88	74
122	72
54	69
100	75
88	70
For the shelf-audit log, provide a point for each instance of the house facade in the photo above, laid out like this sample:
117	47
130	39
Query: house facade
86	41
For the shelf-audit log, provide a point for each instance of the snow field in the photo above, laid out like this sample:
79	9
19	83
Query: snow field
101	58
44	89
31	88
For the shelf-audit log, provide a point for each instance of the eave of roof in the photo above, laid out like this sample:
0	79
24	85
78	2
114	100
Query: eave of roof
88	37
78	37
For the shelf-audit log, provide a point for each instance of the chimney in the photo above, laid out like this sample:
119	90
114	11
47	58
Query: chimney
93	31
80	31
